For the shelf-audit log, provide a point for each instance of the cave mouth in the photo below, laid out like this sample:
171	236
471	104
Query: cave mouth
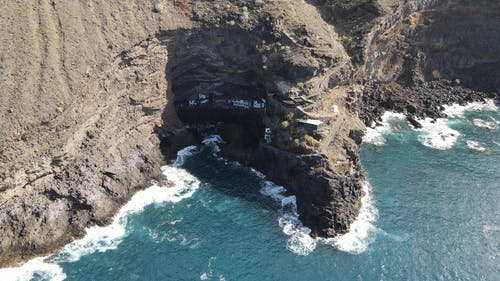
218	85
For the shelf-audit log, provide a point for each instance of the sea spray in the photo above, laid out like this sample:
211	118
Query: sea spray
437	134
458	111
476	146
376	133
362	230
102	239
484	124
183	154
299	241
36	268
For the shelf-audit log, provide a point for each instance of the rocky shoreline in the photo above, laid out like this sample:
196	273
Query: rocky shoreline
253	71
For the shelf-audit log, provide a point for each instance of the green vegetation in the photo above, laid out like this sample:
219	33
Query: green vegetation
311	141
285	124
289	116
344	168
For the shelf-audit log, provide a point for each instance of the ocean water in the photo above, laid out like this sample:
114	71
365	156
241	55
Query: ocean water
431	213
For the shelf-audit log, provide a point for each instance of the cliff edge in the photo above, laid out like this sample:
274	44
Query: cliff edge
96	96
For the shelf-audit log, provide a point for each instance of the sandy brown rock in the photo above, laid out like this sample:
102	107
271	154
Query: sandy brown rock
77	121
91	94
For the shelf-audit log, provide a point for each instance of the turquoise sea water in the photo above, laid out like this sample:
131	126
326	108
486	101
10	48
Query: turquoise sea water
434	215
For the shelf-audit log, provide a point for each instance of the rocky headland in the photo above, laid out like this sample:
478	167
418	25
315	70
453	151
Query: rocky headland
96	96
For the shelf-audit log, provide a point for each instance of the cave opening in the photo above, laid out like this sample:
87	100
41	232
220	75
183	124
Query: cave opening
218	85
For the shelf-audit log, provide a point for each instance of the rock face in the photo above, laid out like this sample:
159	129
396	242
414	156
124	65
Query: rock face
77	116
96	96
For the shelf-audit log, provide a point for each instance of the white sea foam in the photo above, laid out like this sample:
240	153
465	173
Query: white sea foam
437	134
376	134
491	228
362	231
183	154
484	124
299	241
212	141
356	241
456	110
37	267
476	146
102	239
257	173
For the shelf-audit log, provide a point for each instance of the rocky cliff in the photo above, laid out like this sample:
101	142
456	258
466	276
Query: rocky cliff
95	97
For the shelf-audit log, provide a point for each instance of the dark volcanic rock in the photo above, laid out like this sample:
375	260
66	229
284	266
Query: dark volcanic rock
85	123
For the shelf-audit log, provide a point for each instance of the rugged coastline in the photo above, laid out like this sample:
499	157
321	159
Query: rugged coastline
283	59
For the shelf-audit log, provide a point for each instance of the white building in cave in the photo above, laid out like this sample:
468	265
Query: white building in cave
259	104
241	103
267	135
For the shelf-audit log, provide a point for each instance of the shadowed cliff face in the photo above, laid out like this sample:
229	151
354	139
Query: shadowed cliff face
217	79
427	54
230	82
86	107
458	41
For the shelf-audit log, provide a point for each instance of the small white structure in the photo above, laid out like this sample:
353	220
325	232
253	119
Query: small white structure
310	124
241	103
202	98
335	108
259	104
193	102
267	135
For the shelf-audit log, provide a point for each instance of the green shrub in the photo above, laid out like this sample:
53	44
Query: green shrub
285	124
344	168
311	141
289	116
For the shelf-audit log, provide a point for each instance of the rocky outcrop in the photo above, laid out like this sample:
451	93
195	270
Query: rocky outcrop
428	54
234	82
77	116
96	96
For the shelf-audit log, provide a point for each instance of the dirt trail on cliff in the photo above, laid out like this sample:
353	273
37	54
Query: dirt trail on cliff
87	101
76	125
83	87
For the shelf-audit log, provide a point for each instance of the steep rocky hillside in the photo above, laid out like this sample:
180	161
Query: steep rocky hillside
96	95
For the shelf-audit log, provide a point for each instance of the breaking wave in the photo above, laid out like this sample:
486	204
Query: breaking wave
362	232
376	133
102	239
36	268
484	124
456	110
299	241
212	141
183	154
476	146
437	134
356	241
